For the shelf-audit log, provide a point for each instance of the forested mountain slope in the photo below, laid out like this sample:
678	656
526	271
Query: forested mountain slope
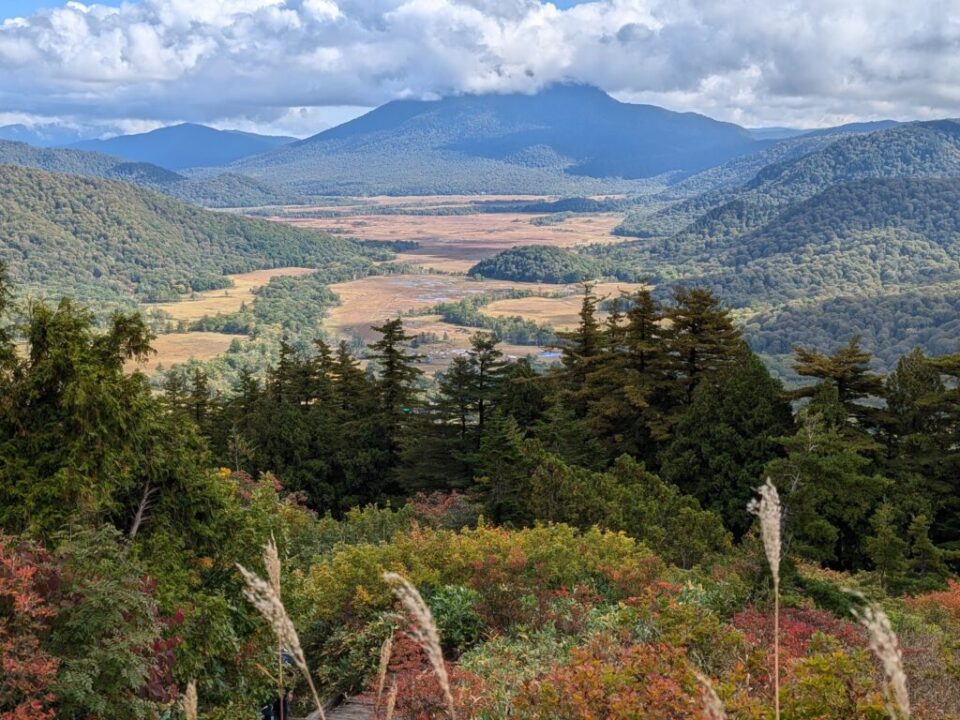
186	145
564	139
795	170
224	190
865	237
93	238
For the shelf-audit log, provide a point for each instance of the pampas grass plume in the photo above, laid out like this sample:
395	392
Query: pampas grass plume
423	631
883	642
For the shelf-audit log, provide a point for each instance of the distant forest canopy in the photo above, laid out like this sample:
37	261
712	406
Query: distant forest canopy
211	190
90	238
538	263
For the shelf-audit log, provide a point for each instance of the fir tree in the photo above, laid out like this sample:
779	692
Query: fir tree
503	473
847	371
886	548
726	437
487	363
702	338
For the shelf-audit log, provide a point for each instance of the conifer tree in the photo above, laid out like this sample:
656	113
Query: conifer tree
503	472
886	548
702	338
522	393
487	363
726	437
581	347
398	372
925	557
847	370
828	485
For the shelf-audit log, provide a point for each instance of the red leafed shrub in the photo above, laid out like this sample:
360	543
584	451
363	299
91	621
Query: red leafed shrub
941	606
797	628
161	686
444	510
419	696
26	671
651	681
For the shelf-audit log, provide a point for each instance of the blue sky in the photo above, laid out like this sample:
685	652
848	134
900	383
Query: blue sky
16	8
296	66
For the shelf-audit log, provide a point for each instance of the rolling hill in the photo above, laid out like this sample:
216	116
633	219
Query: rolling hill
100	239
186	145
565	139
223	190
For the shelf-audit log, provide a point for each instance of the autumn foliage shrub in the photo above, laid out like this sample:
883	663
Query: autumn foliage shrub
798	626
505	567
650	681
26	671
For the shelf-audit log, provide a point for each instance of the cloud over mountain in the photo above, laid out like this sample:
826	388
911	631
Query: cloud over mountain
271	63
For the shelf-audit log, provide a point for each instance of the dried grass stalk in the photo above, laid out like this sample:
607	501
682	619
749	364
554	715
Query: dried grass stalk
265	599
883	642
271	561
386	652
767	508
423	631
391	703
712	705
190	701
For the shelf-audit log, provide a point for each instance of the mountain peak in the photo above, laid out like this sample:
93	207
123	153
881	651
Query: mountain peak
185	145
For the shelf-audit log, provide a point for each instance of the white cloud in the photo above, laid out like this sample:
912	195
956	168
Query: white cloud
277	64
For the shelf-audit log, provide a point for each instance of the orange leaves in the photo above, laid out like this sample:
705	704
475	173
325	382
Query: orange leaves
26	671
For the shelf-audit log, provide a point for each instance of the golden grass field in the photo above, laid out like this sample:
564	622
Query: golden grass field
181	347
221	302
559	312
374	299
454	243
449	244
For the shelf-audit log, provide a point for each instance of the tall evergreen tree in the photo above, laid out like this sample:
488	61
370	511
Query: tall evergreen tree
398	372
828	485
487	363
848	371
702	338
503	475
726	438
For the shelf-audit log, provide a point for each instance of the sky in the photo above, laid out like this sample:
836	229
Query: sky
299	66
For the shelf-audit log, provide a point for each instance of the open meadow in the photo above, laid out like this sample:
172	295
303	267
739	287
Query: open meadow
448	246
455	243
227	300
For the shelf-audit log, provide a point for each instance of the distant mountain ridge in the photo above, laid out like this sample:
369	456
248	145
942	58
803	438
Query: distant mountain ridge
187	145
563	138
224	190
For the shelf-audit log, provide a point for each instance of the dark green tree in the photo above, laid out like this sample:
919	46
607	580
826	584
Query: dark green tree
726	437
886	548
702	338
827	483
487	363
503	473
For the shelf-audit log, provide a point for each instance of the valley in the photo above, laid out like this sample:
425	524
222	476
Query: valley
428	380
447	246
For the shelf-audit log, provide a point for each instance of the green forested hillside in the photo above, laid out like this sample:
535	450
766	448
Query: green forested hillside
224	190
862	238
537	263
795	170
91	238
889	325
